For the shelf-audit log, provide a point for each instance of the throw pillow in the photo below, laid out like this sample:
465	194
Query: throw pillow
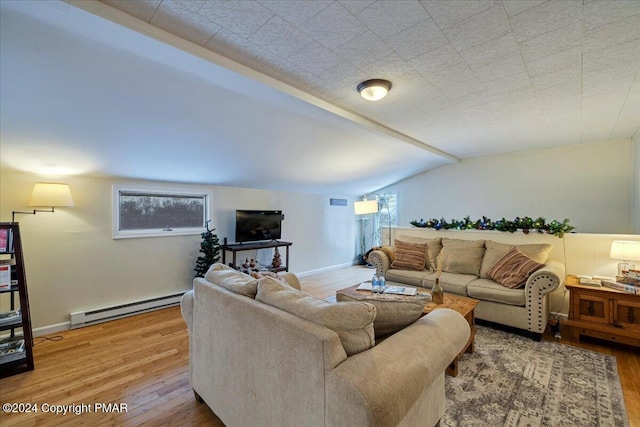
513	269
536	251
352	321
461	256
434	246
233	280
409	256
392	314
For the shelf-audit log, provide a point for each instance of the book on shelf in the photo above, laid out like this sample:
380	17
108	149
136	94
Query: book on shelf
6	240
5	276
9	317
621	287
11	350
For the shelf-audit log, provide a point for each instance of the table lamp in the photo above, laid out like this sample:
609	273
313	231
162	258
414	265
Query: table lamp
625	251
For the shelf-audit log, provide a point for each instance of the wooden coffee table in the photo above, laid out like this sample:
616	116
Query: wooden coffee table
463	305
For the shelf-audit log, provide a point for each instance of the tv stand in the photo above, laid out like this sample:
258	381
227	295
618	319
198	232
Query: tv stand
234	248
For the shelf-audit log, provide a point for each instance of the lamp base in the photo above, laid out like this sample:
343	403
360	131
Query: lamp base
625	266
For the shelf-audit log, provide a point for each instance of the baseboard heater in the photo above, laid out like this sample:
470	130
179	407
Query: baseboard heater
86	318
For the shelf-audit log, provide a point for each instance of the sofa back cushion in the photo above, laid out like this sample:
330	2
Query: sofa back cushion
392	313
433	248
232	280
513	269
461	256
352	321
494	251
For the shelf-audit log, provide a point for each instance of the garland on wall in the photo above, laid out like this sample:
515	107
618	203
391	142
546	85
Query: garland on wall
525	224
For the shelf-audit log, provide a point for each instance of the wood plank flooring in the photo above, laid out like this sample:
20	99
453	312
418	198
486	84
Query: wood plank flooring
143	362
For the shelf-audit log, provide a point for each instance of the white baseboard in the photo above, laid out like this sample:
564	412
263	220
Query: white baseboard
322	270
52	329
560	316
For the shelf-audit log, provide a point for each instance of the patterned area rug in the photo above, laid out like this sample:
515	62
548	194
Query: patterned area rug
514	381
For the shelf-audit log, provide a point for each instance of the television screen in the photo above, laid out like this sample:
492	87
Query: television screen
252	226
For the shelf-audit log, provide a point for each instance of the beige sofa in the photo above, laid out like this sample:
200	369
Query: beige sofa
525	308
256	364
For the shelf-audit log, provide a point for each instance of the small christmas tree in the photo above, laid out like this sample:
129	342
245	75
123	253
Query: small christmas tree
210	247
277	260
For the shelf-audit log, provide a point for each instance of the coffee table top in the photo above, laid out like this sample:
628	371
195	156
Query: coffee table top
463	305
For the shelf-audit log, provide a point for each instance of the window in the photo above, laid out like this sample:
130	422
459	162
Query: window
151	212
387	215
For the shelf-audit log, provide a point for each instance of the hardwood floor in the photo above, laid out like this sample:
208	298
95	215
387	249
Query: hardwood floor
143	362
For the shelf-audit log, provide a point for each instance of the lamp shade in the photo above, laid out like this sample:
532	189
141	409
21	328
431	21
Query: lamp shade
625	250
366	207
51	194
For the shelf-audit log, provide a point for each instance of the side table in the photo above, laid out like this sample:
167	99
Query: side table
602	313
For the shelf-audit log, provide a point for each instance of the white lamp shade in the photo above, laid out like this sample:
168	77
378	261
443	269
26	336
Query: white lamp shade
51	194
625	250
366	207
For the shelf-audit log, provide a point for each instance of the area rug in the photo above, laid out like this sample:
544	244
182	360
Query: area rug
514	381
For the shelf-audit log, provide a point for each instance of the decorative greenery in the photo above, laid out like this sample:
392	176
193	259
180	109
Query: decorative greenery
210	247
525	224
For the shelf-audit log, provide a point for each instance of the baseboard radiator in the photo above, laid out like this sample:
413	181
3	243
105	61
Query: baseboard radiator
86	318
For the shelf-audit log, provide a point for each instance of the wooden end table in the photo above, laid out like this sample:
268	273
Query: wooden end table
602	313
463	305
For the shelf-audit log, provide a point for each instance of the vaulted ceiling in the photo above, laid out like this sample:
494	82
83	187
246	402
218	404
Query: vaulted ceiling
265	91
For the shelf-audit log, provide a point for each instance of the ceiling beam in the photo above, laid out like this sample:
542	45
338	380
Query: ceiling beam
114	15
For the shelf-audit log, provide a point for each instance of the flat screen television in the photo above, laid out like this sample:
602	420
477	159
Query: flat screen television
254	226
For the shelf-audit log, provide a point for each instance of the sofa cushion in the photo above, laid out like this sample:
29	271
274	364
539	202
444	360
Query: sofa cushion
408	277
451	282
433	248
352	321
513	269
461	256
232	280
494	251
488	290
392	313
409	256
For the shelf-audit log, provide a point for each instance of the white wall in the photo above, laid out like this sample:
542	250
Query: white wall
636	183
73	264
588	183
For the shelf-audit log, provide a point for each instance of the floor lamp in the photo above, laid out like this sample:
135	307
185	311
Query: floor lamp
364	207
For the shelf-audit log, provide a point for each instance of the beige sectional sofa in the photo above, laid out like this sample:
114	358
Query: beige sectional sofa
256	359
465	265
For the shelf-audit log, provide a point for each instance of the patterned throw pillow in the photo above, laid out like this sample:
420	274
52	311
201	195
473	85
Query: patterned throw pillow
513	269
409	256
392	314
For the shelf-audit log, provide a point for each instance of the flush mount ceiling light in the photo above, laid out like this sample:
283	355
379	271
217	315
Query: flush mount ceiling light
374	89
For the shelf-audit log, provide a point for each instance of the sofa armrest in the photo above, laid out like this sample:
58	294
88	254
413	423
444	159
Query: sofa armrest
539	285
186	306
379	386
547	279
292	280
380	261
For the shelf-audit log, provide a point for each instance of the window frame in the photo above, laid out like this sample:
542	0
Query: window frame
118	189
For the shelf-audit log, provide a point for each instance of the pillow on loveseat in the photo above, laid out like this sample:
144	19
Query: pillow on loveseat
392	314
461	256
536	251
513	269
434	246
352	321
232	280
409	256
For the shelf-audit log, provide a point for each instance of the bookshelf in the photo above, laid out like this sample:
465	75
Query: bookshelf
16	338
